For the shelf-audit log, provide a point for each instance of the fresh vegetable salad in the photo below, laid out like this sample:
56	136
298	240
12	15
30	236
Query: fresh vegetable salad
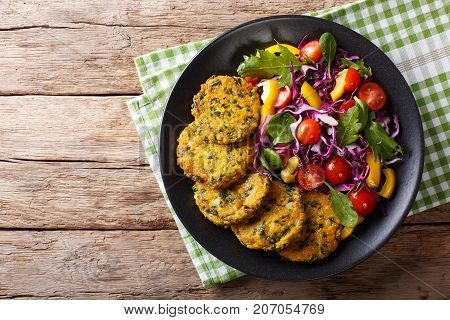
325	125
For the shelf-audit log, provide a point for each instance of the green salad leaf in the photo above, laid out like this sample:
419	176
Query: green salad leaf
273	159
363	111
328	45
351	123
265	65
279	128
343	208
381	144
358	65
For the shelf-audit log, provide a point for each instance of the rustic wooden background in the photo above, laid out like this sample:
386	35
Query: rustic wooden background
81	215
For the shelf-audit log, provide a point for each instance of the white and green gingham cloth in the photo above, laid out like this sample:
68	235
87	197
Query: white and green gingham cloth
414	34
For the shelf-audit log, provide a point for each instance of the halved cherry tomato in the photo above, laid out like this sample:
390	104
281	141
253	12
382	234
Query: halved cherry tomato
373	94
337	170
312	50
283	97
251	80
310	176
346	105
352	80
364	201
308	131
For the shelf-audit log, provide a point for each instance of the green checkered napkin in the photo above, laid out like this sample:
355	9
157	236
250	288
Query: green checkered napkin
414	34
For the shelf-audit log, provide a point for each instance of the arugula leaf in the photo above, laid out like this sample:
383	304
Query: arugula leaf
363	111
266	65
348	127
279	128
273	159
381	144
327	44
358	65
343	208
351	123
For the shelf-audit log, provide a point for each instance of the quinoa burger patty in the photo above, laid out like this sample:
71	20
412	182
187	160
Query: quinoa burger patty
214	164
227	206
276	223
226	109
321	233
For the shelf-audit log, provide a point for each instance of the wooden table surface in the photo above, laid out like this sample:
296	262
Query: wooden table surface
81	215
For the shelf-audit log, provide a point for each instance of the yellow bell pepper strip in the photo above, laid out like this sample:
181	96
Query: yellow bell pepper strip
389	185
311	96
275	49
347	231
373	178
338	90
269	97
287	174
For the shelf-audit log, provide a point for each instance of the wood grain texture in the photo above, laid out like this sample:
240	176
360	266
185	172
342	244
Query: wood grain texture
154	264
88	129
80	196
78	47
81	215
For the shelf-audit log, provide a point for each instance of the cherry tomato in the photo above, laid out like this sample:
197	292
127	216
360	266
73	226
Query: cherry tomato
310	176
345	106
312	50
251	80
308	131
364	201
373	95
337	170
283	97
352	80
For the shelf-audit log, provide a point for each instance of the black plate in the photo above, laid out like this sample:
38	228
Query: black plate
222	56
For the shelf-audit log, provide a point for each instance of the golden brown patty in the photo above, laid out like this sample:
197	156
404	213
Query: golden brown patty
321	232
227	109
276	223
214	164
232	205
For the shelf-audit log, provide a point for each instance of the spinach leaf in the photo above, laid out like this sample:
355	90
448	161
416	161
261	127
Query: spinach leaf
327	44
358	65
266	65
278	128
343	208
381	144
273	159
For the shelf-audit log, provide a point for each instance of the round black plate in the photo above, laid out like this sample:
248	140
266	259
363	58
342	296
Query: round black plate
222	56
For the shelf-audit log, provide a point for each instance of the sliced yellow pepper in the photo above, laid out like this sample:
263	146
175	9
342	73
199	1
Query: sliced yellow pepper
311	95
347	231
389	184
287	174
275	48
338	90
373	178
269	97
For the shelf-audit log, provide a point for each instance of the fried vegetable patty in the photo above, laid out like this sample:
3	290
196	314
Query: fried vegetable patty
276	223
227	206
226	109
321	233
216	165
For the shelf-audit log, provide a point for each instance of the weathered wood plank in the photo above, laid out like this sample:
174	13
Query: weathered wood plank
78	47
136	264
80	196
96	129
